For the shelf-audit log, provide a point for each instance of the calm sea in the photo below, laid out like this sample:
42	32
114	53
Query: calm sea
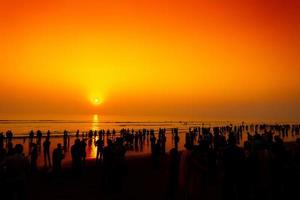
21	124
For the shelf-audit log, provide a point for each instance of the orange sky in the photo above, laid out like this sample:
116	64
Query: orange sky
198	59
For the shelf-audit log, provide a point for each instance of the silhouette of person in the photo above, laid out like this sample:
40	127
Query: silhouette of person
65	140
163	144
48	133
39	138
156	154
10	149
77	134
33	157
176	139
46	149
31	135
57	157
99	144
76	156
83	151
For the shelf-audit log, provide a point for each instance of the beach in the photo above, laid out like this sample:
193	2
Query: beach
140	182
153	163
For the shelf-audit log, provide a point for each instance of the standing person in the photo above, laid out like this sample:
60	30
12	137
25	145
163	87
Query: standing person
152	141
10	149
156	155
83	152
99	144
46	149
33	157
57	157
76	157
163	143
48	133
65	140
176	139
31	136
39	139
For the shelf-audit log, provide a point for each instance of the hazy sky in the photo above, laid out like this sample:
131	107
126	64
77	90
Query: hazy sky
199	59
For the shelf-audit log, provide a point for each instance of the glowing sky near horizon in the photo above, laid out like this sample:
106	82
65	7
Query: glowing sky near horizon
191	58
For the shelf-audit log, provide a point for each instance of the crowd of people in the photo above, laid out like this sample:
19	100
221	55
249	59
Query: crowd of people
257	169
262	168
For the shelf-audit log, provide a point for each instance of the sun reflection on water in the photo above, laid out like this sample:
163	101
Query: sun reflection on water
95	124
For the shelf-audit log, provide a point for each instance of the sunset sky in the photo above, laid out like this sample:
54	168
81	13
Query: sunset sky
189	59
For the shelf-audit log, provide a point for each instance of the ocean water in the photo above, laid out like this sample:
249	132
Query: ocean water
22	125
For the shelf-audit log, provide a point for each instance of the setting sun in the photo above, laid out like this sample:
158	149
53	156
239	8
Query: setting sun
96	101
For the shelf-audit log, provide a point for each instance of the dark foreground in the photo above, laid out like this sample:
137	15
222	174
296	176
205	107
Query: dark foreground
141	181
210	167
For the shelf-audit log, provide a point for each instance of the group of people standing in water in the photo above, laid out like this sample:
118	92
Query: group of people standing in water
255	169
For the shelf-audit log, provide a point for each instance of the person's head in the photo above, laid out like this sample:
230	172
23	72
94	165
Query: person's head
77	142
59	145
18	149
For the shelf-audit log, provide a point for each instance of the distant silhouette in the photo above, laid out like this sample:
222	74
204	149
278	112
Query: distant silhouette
83	151
100	145
10	149
46	149
39	139
65	137
33	157
31	136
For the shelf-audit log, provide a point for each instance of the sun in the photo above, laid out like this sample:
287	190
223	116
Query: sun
96	101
